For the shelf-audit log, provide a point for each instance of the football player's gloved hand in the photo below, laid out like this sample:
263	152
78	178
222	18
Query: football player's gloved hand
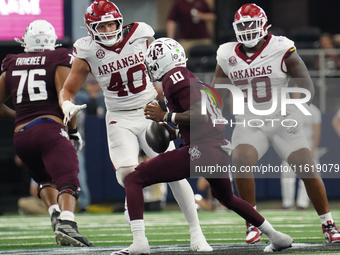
70	109
75	138
294	119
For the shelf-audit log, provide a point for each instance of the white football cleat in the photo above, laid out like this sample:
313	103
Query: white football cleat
199	244
279	242
253	234
138	247
125	251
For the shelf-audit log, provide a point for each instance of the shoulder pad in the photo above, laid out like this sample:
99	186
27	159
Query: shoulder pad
224	51
81	46
284	43
6	62
143	30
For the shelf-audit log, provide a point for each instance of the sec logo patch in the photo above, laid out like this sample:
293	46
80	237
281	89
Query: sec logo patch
100	54
232	61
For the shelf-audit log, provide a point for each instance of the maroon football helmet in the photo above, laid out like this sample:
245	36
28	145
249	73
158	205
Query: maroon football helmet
250	24
103	11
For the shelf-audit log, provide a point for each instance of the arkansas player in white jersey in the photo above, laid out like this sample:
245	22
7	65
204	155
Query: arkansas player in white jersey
115	56
120	69
264	63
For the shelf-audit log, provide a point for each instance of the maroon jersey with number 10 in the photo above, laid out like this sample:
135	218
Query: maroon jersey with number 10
181	90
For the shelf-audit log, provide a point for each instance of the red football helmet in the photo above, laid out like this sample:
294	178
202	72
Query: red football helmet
103	11
250	24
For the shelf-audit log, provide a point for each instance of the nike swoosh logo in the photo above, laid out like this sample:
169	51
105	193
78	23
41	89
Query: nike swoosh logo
131	42
264	56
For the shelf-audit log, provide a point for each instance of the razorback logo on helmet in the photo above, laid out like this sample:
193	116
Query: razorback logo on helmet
251	10
157	51
75	50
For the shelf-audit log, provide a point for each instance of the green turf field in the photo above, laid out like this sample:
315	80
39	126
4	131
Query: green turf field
163	228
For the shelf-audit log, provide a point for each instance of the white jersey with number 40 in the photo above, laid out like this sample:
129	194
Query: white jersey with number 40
120	70
264	71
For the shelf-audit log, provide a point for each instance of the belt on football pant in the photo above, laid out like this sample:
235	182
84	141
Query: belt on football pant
35	122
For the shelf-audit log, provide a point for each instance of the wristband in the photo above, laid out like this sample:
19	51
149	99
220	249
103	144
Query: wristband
173	117
165	115
169	117
72	130
178	134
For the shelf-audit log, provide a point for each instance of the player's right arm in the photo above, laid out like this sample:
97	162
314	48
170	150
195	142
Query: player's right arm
73	83
5	112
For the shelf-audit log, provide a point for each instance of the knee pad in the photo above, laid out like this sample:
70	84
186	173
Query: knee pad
122	172
70	189
44	185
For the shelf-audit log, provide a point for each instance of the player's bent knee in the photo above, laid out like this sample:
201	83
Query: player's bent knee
70	189
135	178
43	185
122	172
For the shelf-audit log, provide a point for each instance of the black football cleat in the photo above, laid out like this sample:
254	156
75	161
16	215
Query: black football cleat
66	234
54	219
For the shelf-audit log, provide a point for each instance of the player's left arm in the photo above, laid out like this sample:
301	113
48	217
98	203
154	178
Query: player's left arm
5	112
297	69
60	77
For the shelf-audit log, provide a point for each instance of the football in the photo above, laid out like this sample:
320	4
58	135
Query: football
157	137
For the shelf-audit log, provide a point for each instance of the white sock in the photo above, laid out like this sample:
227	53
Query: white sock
138	229
67	215
184	196
126	213
267	229
52	208
325	218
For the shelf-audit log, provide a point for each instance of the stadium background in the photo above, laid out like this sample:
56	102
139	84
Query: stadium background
292	18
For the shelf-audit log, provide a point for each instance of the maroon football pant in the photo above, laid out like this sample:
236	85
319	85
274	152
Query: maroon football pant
48	154
175	165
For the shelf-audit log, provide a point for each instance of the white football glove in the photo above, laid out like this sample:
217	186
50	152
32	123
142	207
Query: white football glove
76	139
70	109
296	119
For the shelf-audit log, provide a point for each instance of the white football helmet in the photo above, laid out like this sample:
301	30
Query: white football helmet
103	11
39	36
250	24
163	55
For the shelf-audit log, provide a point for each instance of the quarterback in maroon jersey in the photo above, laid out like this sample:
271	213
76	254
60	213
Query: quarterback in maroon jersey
166	61
34	80
261	64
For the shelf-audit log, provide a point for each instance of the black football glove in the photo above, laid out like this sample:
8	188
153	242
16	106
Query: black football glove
75	138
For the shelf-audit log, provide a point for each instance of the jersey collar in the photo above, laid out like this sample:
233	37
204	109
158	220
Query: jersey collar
247	59
118	48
